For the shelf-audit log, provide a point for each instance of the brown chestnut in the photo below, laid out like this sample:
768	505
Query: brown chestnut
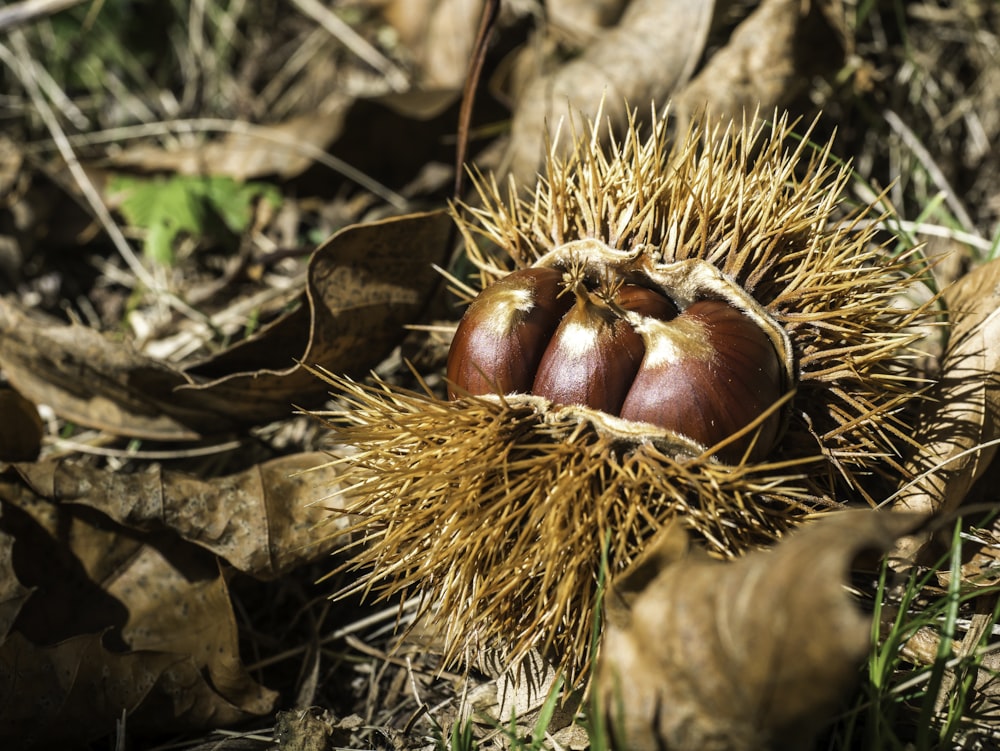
707	374
591	360
703	373
504	332
645	301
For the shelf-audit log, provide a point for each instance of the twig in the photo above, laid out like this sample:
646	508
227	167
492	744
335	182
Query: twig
925	158
358	625
263	132
357	644
490	11
66	150
347	36
925	228
187	453
17	14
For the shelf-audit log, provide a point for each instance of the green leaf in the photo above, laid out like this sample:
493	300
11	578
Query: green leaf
232	201
167	206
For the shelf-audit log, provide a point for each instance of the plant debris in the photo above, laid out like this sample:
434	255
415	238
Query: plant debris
158	565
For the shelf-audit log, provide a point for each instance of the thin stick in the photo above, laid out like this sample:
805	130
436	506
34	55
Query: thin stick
925	158
85	448
17	14
490	11
83	181
347	36
263	132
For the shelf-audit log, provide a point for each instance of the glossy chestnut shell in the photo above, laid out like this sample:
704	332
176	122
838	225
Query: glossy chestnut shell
701	369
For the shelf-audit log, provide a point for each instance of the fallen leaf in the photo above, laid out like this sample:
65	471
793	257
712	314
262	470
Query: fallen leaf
70	693
249	151
172	612
364	285
149	615
771	58
754	653
314	729
970	661
653	55
962	411
13	594
653	49
21	428
438	35
91	380
263	520
584	18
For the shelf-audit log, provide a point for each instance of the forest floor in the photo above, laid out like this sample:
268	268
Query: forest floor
170	176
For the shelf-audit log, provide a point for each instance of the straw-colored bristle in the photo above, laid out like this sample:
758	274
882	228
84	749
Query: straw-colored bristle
497	510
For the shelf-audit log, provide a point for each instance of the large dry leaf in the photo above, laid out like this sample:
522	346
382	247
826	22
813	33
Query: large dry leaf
438	35
653	50
70	693
364	285
262	520
750	654
91	380
770	59
963	409
584	18
150	613
169	611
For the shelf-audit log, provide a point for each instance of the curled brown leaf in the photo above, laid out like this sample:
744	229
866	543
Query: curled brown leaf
21	428
113	621
771	58
13	593
651	51
262	520
653	55
962	411
364	285
749	654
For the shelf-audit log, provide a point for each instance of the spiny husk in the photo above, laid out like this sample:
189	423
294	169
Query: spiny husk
497	510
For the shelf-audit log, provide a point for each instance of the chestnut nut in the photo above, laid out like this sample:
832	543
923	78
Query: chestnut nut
701	371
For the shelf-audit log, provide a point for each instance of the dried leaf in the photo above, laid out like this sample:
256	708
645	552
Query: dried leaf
142	612
21	428
963	409
652	54
71	692
91	380
11	163
263	520
364	285
971	659
284	149
771	58
438	35
314	729
748	654
172	612
653	50
13	594
584	18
